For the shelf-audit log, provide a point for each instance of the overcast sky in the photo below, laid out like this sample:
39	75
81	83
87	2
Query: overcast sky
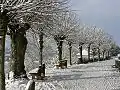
104	14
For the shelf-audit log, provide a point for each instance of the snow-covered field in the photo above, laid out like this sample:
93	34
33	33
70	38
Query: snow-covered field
92	76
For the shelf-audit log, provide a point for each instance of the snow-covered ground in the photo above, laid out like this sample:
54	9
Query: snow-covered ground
92	76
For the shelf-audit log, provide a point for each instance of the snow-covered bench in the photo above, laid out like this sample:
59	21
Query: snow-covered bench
62	64
117	63
38	74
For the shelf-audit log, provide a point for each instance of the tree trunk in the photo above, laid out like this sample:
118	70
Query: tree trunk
93	58
98	54
103	55
13	60
2	74
18	48
59	44
41	47
89	52
80	49
3	29
70	49
21	49
108	54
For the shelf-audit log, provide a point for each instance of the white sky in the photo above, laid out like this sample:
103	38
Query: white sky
102	13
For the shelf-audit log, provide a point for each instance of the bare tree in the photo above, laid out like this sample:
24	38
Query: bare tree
72	37
91	37
45	21
18	47
62	30
81	38
94	51
85	36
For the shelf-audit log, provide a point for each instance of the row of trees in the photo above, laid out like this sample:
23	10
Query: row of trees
67	29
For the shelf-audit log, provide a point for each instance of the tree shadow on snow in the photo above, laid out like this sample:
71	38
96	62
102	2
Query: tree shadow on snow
76	77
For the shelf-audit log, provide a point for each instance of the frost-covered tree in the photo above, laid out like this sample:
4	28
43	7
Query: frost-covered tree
95	38
85	36
42	23
100	39
81	40
106	45
94	51
114	50
90	34
62	29
17	32
72	37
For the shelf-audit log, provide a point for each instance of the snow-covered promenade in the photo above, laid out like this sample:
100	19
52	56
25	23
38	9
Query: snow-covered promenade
91	76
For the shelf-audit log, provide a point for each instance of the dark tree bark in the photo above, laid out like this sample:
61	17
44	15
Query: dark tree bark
18	48
59	40
93	54
93	58
13	60
103	55
60	44
3	29
21	49
70	50
108	54
98	54
41	48
89	52
81	58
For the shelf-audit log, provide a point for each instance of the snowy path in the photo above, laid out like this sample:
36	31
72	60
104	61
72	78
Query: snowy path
92	76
